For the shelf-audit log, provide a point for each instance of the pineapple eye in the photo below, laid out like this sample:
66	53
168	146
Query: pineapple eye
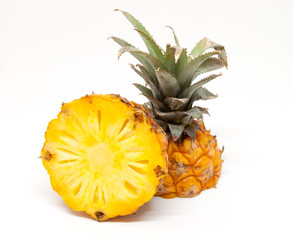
139	117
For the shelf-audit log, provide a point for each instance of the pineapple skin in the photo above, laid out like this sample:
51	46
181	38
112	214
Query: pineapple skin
64	174
194	165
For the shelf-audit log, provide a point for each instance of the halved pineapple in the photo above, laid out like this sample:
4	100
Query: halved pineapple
104	155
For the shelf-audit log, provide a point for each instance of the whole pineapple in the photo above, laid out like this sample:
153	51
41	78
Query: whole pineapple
194	156
104	155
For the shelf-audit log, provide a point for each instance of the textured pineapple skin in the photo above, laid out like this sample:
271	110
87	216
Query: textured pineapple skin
115	187
194	165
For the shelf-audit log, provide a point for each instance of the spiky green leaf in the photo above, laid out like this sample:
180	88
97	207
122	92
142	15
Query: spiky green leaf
203	110
121	42
194	112
178	52
141	59
175	36
190	131
134	21
145	75
202	94
168	83
151	45
206	44
176	130
162	124
190	90
208	65
170	59
155	103
182	61
187	120
148	61
143	89
188	73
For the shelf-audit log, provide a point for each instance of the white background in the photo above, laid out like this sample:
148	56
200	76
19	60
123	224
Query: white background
56	51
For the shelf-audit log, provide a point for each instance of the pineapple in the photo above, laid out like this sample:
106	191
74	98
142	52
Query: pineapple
104	155
194	156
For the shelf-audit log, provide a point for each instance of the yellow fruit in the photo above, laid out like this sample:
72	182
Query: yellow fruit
104	155
194	165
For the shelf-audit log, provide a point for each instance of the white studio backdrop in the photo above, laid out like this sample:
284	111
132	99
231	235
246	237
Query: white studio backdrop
56	51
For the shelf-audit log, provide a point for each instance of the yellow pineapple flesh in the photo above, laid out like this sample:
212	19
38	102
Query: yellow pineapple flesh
194	165
104	155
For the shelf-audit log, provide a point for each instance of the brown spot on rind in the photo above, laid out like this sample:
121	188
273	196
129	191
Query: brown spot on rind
47	156
135	212
99	216
155	128
159	171
122	99
139	117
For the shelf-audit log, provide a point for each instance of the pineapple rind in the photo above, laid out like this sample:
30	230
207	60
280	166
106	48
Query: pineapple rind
194	165
129	145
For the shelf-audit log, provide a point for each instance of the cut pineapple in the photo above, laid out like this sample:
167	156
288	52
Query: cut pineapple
104	155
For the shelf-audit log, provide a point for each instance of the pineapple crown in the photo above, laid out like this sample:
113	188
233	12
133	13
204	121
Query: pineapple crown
170	78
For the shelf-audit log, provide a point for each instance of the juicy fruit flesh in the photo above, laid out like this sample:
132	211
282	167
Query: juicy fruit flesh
101	157
194	165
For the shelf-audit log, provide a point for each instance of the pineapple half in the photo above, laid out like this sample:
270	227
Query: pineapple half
104	155
194	156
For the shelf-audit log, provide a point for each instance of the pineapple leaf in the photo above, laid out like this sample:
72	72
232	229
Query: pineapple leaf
121	42
176	104
176	130
188	92
146	36
134	21
187	120
197	126
148	61
145	75
143	89
175	36
153	48
202	94
190	131
178	51
194	112
154	102
168	83
203	110
173	117
182	61
170	59
206	44
162	124
142	60
208	65
188	73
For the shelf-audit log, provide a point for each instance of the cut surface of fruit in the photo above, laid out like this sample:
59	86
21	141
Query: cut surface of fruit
102	154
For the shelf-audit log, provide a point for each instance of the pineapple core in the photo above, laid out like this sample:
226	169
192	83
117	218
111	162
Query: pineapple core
100	157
